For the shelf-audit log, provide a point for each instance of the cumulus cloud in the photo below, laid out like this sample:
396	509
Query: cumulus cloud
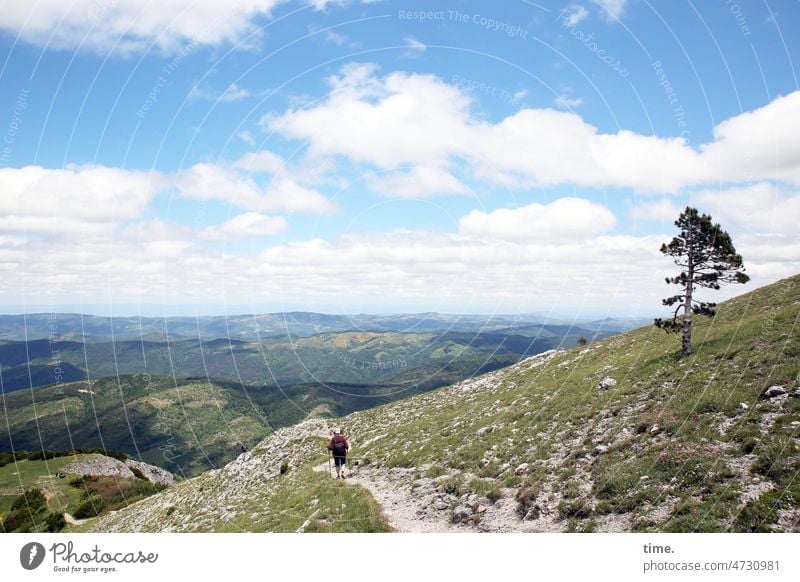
563	219
404	119
206	181
418	182
87	199
759	144
245	225
398	120
133	25
761	208
657	210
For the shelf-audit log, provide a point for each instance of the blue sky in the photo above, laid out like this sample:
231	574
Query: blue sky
389	156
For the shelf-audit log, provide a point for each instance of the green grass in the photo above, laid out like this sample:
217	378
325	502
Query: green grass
332	506
26	474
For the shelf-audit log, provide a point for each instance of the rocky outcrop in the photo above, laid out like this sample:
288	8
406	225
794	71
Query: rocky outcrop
99	466
103	466
152	473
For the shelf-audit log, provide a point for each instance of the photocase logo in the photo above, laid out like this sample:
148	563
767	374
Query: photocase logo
31	555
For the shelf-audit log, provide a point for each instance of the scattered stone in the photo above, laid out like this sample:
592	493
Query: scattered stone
607	383
440	505
644	477
523	469
484	430
654	429
600	450
773	392
743	405
462	513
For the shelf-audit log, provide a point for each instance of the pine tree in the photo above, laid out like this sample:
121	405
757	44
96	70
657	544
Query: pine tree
708	258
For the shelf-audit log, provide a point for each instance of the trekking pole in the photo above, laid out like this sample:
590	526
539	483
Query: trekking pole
330	469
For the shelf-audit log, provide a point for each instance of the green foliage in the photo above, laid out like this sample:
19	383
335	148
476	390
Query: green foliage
774	459
91	506
32	500
454	485
708	258
27	512
55	522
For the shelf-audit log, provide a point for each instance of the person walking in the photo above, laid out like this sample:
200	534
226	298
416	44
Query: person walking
339	447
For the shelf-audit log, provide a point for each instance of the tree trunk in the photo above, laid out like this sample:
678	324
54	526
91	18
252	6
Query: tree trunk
686	343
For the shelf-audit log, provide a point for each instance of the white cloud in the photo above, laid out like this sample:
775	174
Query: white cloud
86	199
405	119
247	137
762	208
399	120
567	102
612	9
231	93
573	15
657	210
761	144
415	46
563	219
132	25
249	224
213	181
419	182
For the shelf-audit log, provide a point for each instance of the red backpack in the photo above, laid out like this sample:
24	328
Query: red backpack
339	446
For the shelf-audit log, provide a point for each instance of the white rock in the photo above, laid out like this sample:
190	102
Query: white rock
773	391
607	383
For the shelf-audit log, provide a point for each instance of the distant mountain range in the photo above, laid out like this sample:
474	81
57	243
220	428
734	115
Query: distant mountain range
92	328
220	381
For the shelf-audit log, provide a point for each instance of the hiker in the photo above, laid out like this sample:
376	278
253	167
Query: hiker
339	447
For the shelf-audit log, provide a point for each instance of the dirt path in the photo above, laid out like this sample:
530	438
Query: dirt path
72	521
402	511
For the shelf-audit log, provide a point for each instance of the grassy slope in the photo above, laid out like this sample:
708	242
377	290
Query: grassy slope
252	494
186	429
683	453
15	477
677	434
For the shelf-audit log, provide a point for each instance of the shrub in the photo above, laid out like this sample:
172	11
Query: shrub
772	460
90	507
138	474
31	500
526	500
55	522
575	508
454	485
284	467
435	471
